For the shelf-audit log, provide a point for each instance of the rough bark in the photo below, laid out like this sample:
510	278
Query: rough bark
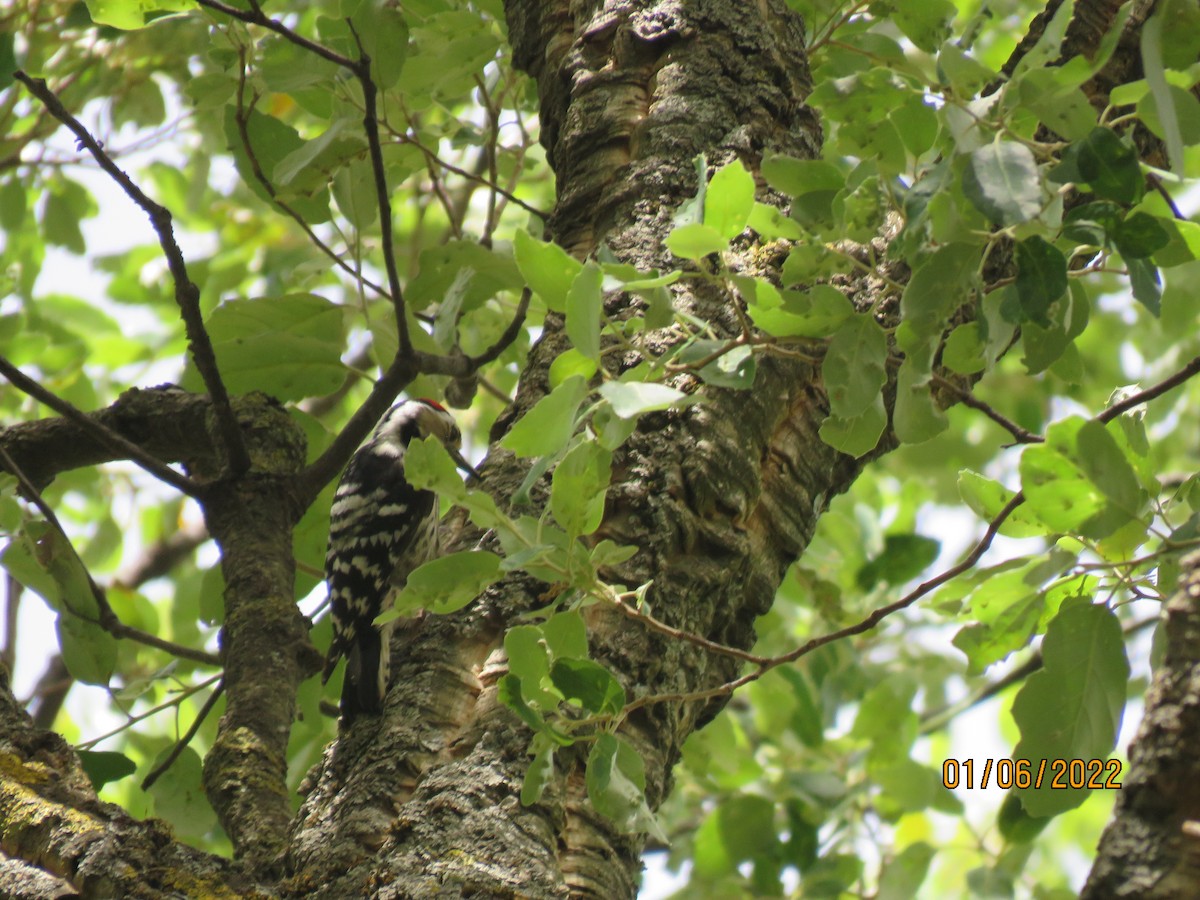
1151	848
58	840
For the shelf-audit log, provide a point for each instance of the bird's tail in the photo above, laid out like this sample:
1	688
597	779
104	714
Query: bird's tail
366	676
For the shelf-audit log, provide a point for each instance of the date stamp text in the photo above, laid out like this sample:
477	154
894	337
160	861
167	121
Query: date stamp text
1058	774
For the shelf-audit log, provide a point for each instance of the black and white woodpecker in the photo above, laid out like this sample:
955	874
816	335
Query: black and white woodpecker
380	529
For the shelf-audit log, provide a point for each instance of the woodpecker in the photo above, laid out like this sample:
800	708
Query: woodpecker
380	529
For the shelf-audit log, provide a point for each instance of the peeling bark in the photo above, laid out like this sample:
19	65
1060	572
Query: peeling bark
1151	848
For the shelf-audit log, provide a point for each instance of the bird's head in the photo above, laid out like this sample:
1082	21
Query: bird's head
414	419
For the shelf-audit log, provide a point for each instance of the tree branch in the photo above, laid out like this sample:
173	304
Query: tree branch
382	196
1150	393
187	294
256	16
1020	435
124	449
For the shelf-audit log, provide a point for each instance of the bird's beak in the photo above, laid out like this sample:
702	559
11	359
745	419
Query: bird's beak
461	462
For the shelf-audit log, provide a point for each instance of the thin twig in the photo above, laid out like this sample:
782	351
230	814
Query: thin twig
257	17
678	634
1020	435
241	116
1189	371
1157	184
382	195
866	624
133	720
937	719
124	448
505	339
154	774
187	294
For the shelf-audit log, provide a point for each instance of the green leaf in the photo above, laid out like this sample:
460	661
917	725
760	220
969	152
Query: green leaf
1140	235
1001	180
13	204
1068	318
103	766
548	426
916	417
772	225
566	635
8	59
311	165
1072	707
938	287
965	350
630	399
1016	825
741	829
509	692
355	194
902	877
89	651
571	363
383	31
728	200
68	203
289	346
578	488
1078	481
734	368
529	661
1110	167
1093	223
927	23
548	269
695	241
428	467
1144	280
1055	97
584	308
853	370
270	141
987	497
903	558
1183	240
539	774
1012	612
1041	278
179	796
797	177
446	584
442	270
858	435
1168	120
965	74
589	683
131	14
818	312
616	785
